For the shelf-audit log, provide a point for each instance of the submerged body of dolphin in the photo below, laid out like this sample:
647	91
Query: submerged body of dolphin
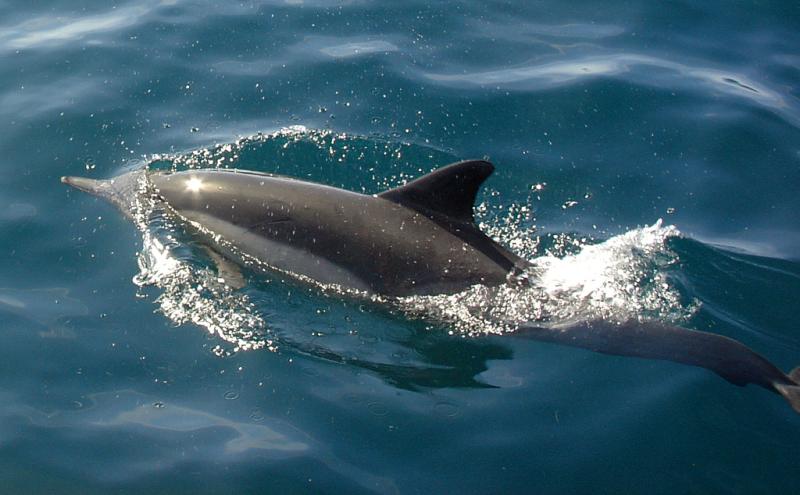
419	238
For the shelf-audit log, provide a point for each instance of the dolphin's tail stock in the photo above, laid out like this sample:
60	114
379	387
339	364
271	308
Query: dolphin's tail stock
120	191
729	358
791	392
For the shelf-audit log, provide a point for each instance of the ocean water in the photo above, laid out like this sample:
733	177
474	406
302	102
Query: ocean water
647	162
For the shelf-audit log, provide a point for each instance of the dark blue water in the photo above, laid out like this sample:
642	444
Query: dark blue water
129	368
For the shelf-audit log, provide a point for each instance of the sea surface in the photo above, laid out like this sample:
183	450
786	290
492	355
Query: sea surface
647	162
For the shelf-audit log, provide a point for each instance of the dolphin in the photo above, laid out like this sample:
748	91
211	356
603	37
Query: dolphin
416	239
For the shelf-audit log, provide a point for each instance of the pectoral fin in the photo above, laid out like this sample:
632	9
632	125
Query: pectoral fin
227	270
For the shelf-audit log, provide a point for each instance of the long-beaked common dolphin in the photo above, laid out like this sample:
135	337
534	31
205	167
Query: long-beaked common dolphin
417	239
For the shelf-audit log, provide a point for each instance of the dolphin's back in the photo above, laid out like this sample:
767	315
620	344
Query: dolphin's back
378	244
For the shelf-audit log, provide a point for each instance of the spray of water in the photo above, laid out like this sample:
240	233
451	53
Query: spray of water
190	292
622	278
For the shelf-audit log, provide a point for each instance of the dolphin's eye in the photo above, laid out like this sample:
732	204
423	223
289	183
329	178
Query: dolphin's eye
194	184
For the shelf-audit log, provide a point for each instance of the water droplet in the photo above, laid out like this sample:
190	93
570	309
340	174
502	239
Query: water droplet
377	408
309	371
352	397
446	409
231	395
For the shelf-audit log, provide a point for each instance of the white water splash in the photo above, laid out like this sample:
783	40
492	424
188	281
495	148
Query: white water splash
226	155
192	294
618	279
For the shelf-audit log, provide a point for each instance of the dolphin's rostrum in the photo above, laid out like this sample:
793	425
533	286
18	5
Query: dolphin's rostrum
416	239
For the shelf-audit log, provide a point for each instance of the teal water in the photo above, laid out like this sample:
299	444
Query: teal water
119	375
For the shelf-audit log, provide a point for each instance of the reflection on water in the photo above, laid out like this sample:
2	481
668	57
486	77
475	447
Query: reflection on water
136	410
148	416
17	211
347	48
163	430
640	68
48	308
54	31
39	98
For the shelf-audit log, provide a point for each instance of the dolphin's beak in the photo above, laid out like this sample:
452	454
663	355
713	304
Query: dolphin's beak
121	191
90	186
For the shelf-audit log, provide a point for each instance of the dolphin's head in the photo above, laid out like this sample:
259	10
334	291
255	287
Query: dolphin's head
120	191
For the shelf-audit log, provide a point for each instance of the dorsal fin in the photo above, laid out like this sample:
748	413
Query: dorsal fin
450	190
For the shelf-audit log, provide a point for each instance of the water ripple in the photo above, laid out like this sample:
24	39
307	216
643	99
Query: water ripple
49	31
635	67
33	100
514	30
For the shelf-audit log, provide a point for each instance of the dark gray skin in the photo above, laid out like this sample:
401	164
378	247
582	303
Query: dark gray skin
416	239
386	244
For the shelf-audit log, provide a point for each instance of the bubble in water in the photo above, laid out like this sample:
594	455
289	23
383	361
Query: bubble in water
257	415
446	409
377	408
